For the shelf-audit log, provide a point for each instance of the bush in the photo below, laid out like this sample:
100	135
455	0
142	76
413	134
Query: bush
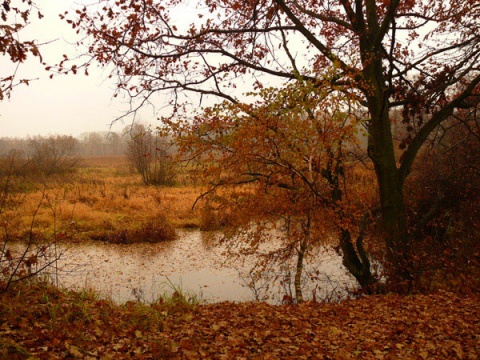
150	155
53	154
152	231
444	200
214	219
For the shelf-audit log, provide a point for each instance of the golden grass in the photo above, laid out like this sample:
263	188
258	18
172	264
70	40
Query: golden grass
103	198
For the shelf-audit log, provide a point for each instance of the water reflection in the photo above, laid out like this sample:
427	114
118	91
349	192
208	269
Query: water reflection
194	264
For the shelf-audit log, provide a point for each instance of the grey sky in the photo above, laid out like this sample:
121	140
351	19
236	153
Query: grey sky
67	104
71	104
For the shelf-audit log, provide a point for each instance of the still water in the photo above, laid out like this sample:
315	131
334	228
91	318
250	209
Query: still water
191	263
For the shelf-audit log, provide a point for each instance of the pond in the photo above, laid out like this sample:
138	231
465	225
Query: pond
192	264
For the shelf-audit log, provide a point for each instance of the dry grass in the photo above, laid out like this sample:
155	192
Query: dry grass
104	200
107	200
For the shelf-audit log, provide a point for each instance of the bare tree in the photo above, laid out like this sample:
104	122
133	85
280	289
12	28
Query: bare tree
54	154
149	153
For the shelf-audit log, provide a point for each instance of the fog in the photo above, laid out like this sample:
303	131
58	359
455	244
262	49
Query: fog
67	105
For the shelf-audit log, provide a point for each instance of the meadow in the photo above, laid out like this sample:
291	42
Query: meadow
104	199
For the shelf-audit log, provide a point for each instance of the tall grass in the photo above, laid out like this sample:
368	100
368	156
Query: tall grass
106	200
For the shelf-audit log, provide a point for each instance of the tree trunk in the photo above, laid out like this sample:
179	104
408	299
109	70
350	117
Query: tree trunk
381	151
298	272
357	262
397	240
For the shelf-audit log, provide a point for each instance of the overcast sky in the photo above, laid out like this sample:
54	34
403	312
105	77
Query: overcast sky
66	105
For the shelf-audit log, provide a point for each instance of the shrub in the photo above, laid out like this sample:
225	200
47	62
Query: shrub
213	219
53	154
444	191
152	231
155	230
150	154
14	163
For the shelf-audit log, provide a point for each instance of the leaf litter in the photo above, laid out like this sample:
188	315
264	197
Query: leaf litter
45	323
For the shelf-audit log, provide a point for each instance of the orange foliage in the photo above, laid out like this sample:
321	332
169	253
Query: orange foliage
280	164
48	324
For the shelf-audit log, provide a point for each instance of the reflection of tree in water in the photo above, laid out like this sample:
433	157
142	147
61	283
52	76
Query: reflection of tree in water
322	280
194	262
269	268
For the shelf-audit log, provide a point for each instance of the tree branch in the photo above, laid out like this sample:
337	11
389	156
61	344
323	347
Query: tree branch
437	118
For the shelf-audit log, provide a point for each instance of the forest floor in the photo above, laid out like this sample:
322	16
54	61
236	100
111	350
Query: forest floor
42	322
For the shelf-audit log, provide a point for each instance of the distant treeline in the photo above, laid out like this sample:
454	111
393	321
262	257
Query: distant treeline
87	144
